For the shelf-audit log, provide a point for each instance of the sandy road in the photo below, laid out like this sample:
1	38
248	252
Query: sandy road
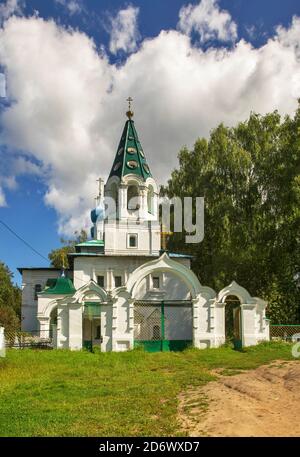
260	402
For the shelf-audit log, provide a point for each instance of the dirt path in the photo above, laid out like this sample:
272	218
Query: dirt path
260	402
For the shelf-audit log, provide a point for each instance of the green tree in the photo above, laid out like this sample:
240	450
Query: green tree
10	300
249	176
59	257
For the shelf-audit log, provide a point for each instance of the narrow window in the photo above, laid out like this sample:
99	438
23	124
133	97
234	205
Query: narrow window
98	332
150	197
132	241
132	197
118	281
155	282
100	281
37	289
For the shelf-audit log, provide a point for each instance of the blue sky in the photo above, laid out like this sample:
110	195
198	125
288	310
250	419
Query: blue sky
49	164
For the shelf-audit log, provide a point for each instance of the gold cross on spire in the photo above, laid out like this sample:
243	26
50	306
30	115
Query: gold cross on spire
129	113
129	100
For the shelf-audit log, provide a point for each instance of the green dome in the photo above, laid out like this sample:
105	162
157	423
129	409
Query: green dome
130	157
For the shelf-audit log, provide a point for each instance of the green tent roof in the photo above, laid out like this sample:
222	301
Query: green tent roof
59	286
130	157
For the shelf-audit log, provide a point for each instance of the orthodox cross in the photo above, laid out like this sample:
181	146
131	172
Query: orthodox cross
129	112
129	100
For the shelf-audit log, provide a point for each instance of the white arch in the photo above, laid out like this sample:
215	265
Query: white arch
151	182
91	288
235	289
111	181
49	308
132	179
164	263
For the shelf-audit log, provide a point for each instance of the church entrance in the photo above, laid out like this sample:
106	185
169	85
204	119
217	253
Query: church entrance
91	326
163	325
233	327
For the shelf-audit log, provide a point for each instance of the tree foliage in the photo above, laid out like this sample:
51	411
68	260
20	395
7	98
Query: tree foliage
249	176
59	257
10	300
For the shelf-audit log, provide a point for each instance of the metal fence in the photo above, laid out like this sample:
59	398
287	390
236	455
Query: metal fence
21	340
163	325
286	332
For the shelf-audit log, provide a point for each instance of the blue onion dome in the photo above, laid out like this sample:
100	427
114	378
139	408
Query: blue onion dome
97	214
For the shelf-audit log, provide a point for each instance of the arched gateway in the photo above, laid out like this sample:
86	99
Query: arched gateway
121	291
163	321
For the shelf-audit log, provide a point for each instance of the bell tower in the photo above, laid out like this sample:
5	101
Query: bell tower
131	225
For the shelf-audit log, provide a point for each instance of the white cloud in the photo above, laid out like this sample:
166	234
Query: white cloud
251	31
290	36
124	32
11	7
9	182
69	106
6	182
208	21
2	198
22	165
72	6
2	85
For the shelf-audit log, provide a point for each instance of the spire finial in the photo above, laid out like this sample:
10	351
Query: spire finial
129	113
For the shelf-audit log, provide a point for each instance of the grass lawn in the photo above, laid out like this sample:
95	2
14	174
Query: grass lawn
63	393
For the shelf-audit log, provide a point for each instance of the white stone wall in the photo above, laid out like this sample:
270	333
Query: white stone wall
122	323
75	326
63	327
86	268
205	322
29	305
116	238
171	288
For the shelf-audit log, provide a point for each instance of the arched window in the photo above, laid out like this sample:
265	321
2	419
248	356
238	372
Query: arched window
112	203
115	194
150	200
132	197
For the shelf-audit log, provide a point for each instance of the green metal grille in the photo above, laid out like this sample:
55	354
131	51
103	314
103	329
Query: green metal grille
163	326
284	332
147	322
178	321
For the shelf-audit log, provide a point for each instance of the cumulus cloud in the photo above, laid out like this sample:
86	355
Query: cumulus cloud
124	31
208	21
290	36
69	101
11	7
72	6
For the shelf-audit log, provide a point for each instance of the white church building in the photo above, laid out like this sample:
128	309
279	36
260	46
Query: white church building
123	290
